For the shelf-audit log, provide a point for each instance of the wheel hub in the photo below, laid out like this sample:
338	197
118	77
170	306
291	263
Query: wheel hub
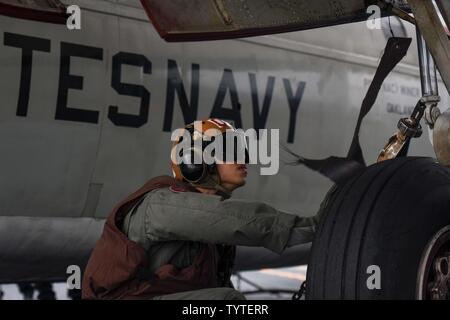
439	289
433	281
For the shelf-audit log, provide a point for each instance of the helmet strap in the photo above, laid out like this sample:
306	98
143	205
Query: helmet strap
212	181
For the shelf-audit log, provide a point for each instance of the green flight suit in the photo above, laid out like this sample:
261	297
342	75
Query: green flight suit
170	225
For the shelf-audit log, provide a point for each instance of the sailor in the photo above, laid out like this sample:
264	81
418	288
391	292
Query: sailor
176	237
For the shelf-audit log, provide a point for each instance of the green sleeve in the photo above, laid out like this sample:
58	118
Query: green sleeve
208	218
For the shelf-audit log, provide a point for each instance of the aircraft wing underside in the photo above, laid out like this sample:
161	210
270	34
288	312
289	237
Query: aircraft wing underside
189	20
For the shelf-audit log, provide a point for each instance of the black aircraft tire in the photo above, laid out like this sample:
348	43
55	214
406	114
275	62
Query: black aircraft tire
385	218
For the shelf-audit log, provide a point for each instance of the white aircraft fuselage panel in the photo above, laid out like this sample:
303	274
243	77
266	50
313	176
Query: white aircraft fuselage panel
87	114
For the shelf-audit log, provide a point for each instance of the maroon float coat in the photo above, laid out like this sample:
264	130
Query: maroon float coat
114	270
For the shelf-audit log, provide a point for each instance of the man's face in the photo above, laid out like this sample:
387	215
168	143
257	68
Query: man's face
232	175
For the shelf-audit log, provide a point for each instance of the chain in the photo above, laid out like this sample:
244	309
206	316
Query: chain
301	292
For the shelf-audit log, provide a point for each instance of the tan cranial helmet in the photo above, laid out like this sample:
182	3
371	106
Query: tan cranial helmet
201	134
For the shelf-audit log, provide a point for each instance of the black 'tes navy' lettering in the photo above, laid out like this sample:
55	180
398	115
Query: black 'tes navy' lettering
260	118
175	86
294	103
28	45
130	120
68	81
227	84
